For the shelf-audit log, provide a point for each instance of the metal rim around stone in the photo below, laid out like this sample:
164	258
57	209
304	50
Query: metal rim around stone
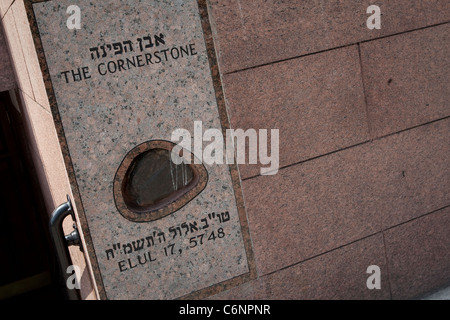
168	205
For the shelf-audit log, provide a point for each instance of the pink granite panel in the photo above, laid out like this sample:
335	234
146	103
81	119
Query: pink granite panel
337	275
418	253
316	102
251	33
313	207
406	79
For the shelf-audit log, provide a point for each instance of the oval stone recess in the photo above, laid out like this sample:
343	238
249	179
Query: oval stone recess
149	186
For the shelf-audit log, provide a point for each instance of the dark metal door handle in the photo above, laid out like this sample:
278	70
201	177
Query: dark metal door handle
62	242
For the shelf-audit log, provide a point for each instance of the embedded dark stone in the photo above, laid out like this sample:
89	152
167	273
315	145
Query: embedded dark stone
153	179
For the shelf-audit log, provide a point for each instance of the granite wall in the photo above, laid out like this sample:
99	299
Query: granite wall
364	125
364	143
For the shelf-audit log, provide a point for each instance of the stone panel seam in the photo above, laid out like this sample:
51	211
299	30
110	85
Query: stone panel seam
7	10
355	145
335	48
353	242
23	54
366	103
416	218
398	225
40	105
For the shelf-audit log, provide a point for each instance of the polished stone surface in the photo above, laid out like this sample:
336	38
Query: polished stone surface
419	255
134	72
406	79
322	204
317	103
337	275
259	32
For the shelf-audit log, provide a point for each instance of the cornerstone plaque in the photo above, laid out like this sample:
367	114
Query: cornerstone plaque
121	76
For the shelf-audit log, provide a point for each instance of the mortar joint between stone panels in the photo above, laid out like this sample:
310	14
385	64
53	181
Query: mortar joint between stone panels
380	232
334	48
321	254
406	31
24	59
289	59
353	146
417	218
395	226
366	103
40	105
9	7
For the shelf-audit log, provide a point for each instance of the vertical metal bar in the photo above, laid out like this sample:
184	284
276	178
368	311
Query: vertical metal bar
60	243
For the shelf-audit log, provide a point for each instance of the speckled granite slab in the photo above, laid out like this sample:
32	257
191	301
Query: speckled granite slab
135	71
